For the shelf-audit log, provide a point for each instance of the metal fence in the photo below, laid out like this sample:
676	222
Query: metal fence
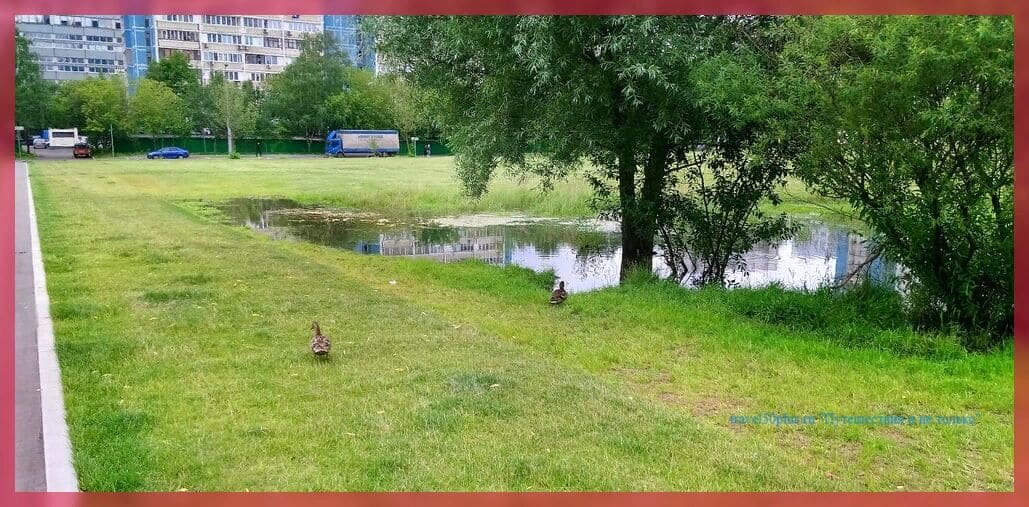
200	145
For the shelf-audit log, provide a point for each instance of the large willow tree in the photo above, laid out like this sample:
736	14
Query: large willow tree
541	94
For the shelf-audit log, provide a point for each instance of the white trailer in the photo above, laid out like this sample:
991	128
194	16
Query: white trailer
64	138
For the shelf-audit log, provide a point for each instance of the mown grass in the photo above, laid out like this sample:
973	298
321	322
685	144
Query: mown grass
400	186
183	347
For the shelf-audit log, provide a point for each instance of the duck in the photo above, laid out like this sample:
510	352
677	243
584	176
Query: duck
559	295
320	344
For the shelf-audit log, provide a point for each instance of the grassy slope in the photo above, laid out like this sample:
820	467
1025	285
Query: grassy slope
183	349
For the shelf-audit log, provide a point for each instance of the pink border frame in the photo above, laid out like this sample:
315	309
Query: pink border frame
1020	11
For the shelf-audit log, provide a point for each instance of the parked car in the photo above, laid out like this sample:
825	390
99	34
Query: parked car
40	143
169	152
82	150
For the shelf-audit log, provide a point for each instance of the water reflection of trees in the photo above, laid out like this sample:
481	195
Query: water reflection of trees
548	238
343	233
253	211
594	251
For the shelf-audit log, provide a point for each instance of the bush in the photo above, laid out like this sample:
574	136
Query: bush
909	119
866	315
234	155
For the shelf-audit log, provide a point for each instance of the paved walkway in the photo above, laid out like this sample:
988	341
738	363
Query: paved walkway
29	470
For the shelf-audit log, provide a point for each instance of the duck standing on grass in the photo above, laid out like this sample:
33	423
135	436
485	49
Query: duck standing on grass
559	295
320	344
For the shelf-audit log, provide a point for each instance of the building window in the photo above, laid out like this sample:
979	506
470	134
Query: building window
179	17
261	23
222	20
223	57
272	42
299	26
177	35
191	54
292	44
261	59
231	75
256	77
224	38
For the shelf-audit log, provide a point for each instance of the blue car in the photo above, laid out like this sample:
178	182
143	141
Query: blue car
169	152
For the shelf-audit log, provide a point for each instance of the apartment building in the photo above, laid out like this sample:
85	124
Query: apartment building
242	48
75	47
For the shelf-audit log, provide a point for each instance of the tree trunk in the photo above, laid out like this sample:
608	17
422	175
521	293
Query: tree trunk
231	144
640	212
637	243
638	226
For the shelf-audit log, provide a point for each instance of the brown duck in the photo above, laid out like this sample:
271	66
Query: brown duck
559	295
320	344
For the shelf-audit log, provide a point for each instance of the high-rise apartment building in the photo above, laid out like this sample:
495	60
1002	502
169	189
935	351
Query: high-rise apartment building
75	47
242	48
347	32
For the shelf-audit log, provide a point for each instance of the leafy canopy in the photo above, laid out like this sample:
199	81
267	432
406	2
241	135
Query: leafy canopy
155	109
910	119
32	93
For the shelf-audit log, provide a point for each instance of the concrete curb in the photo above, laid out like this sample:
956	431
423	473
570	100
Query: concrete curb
60	473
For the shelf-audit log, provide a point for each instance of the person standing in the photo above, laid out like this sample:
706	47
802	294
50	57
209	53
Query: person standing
428	149
258	147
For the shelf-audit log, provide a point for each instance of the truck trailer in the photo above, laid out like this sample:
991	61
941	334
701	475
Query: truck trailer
379	143
62	138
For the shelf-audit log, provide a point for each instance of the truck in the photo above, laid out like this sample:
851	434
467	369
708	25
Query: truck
379	143
62	138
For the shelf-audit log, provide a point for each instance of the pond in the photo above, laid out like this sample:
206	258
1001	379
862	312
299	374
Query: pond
585	254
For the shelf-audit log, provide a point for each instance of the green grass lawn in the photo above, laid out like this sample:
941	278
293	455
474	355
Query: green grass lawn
183	348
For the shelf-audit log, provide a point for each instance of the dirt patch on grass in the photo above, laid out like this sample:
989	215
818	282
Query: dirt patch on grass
641	377
715	407
897	436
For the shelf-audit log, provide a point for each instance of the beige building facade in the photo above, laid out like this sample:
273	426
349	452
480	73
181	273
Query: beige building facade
242	48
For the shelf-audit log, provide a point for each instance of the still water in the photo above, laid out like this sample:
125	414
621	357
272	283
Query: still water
584	254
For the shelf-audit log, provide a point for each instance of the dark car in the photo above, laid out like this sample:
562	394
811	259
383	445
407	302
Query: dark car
82	150
169	152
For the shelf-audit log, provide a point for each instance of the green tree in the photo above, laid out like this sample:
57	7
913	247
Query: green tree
541	94
711	214
297	96
233	112
97	106
175	72
365	103
910	119
414	111
155	109
33	95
